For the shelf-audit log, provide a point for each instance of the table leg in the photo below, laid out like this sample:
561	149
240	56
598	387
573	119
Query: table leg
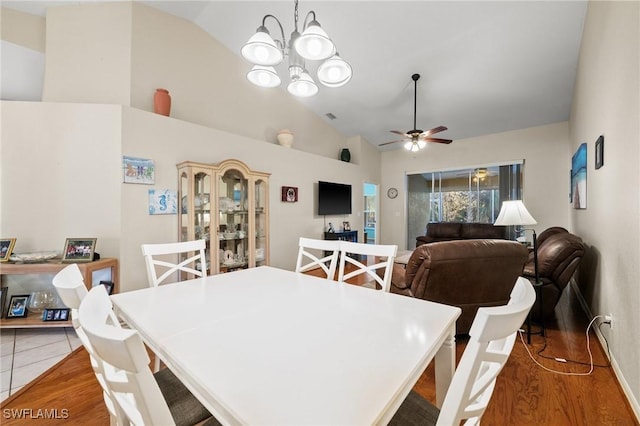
445	365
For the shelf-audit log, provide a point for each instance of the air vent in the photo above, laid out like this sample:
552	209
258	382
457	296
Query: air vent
330	116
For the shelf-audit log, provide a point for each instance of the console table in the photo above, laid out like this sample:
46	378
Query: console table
51	267
342	236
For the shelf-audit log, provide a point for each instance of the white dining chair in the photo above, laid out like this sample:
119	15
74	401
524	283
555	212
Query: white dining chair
145	398
159	268
383	256
307	252
71	289
492	336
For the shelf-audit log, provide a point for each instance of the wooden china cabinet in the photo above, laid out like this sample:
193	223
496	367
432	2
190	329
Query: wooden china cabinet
227	205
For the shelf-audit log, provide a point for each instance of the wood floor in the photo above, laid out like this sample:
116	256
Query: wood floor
525	394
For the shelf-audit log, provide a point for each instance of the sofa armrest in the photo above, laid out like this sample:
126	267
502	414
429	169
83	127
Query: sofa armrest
398	278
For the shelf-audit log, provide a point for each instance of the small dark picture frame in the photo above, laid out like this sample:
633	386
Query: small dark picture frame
18	306
55	314
289	194
346	226
78	250
6	247
599	152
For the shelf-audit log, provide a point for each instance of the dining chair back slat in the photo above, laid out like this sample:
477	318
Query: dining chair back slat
357	254
160	269
71	289
492	336
305	245
136	390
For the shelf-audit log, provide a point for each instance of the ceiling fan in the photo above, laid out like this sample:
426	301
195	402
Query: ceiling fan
417	139
479	173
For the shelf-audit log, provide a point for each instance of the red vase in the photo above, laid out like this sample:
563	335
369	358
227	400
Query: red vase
162	102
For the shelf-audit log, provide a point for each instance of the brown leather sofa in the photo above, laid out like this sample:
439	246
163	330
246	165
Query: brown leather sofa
447	231
466	273
559	254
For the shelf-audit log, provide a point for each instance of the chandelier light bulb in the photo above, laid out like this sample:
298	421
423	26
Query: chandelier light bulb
408	146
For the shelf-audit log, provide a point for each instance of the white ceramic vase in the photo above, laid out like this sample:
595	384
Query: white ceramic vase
285	138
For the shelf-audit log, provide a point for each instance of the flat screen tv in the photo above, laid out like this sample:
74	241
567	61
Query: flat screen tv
334	198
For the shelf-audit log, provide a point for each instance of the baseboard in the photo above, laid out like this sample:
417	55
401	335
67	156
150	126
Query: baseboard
635	406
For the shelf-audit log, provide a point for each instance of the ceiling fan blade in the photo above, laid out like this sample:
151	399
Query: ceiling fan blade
398	132
434	130
389	143
438	140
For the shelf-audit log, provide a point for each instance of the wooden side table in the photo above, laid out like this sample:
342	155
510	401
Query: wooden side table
52	267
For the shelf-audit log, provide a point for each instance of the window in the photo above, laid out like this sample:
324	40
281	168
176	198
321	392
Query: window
465	195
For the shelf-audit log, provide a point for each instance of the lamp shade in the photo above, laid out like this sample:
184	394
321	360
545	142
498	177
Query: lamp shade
303	86
334	72
514	213
263	76
314	44
261	49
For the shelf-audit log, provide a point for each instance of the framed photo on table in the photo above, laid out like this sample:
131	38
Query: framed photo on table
78	250
6	247
18	306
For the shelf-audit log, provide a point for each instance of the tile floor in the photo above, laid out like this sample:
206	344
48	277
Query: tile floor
27	353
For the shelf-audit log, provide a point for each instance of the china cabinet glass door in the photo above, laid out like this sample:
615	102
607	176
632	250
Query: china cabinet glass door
261	223
233	221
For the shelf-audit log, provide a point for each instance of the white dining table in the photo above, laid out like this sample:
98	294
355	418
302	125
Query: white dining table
266	346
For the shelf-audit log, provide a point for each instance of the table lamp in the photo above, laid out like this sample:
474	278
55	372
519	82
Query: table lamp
515	213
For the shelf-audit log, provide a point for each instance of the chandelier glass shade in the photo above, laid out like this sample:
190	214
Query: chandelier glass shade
261	49
313	44
264	76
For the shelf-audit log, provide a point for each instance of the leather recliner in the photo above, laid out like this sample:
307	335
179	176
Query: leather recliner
559	254
466	273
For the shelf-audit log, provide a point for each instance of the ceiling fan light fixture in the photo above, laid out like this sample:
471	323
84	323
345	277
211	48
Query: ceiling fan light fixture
261	49
334	72
263	76
314	43
413	146
421	144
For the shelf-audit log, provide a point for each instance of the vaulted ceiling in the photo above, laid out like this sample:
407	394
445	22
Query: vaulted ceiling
486	67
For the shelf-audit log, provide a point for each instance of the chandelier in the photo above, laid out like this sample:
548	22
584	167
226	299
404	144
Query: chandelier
313	44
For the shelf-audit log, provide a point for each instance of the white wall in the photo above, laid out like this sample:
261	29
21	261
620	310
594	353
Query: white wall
545	150
63	178
120	52
88	53
168	141
60	175
607	102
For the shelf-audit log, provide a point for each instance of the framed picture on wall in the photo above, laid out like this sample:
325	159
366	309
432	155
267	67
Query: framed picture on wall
599	152
138	170
289	194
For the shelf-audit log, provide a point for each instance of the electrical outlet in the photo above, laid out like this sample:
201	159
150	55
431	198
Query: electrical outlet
608	319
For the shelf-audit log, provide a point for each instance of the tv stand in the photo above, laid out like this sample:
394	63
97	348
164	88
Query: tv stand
342	236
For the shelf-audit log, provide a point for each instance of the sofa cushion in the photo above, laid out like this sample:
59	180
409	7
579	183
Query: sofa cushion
483	230
444	230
